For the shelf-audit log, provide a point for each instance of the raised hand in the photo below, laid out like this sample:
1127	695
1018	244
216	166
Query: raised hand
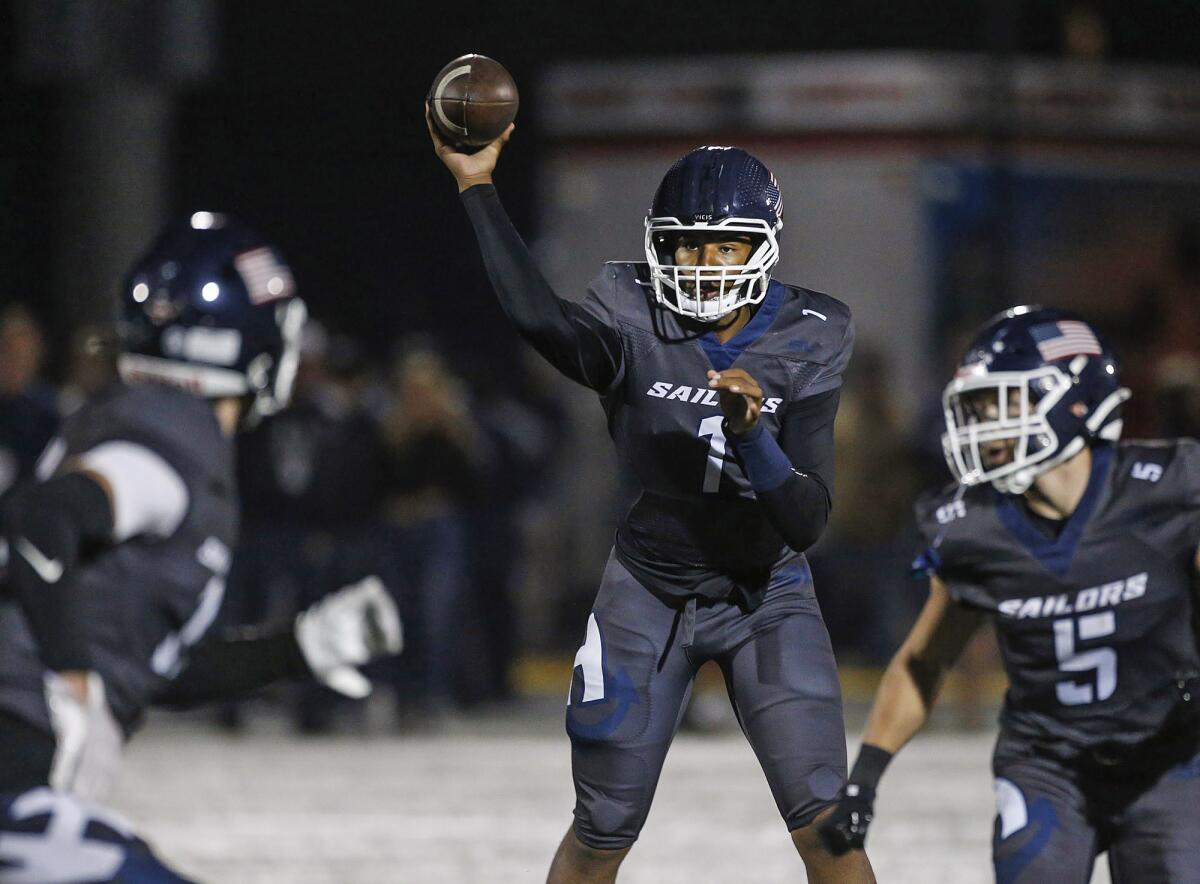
468	169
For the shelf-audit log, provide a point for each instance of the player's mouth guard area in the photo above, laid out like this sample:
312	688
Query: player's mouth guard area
683	288
1036	448
1026	426
201	380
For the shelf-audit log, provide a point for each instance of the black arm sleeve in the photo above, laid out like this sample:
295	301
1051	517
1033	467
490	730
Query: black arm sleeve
570	338
806	437
234	663
50	527
799	502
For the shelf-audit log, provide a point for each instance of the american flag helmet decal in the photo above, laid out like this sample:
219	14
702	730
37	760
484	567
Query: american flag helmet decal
266	277
1065	338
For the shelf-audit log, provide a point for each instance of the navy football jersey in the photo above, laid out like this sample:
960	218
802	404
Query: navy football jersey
149	598
696	524
1095	626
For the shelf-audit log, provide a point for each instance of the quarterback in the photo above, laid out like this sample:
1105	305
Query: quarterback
720	385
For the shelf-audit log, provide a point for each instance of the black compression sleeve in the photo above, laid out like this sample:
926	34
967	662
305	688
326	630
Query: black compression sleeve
573	340
234	663
48	527
799	510
806	436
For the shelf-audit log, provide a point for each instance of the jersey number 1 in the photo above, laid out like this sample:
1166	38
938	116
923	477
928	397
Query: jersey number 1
711	426
1103	660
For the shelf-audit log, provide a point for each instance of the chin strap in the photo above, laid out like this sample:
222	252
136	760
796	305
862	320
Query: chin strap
1019	482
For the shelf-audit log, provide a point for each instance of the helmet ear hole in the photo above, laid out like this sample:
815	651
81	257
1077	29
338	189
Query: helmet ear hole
664	245
1079	409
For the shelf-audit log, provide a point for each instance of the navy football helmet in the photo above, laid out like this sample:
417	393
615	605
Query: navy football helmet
212	308
1036	386
714	190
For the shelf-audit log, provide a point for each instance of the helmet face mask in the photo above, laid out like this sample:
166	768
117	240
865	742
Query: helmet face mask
997	426
713	192
1036	388
676	285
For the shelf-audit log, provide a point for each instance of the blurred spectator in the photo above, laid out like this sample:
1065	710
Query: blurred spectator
435	468
1084	34
523	430
92	367
1161	337
310	479
28	418
861	564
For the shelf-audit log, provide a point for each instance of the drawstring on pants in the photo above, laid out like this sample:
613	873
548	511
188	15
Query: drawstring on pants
685	615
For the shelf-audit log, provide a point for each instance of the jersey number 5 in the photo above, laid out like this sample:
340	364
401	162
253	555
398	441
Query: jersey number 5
1103	660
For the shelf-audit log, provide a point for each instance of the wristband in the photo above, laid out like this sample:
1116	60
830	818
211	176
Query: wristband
870	765
764	462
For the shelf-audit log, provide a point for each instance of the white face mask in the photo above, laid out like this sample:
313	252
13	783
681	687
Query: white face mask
1001	411
1007	414
677	287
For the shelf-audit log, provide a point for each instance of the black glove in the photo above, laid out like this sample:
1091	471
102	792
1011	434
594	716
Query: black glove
846	828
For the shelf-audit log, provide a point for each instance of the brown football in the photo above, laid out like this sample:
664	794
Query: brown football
472	101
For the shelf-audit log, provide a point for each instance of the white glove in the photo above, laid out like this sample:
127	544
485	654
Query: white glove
88	740
348	628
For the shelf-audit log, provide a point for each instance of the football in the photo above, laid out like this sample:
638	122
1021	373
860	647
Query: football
472	101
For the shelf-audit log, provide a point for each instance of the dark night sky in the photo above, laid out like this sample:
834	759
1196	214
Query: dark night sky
312	128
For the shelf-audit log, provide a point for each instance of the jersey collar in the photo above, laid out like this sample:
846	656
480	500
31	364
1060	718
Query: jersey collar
722	356
1056	555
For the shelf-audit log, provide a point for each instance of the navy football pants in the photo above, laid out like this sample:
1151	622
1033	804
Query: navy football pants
1054	819
633	676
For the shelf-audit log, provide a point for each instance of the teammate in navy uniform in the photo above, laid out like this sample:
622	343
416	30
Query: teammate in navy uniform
117	555
1083	550
720	385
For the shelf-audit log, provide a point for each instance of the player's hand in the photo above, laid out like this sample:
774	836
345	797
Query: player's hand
846	827
346	629
741	397
468	169
88	741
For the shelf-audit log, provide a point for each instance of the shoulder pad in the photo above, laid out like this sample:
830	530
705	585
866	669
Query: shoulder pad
177	426
811	326
951	508
1168	463
619	293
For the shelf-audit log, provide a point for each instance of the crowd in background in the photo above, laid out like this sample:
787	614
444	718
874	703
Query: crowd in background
405	471
422	470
